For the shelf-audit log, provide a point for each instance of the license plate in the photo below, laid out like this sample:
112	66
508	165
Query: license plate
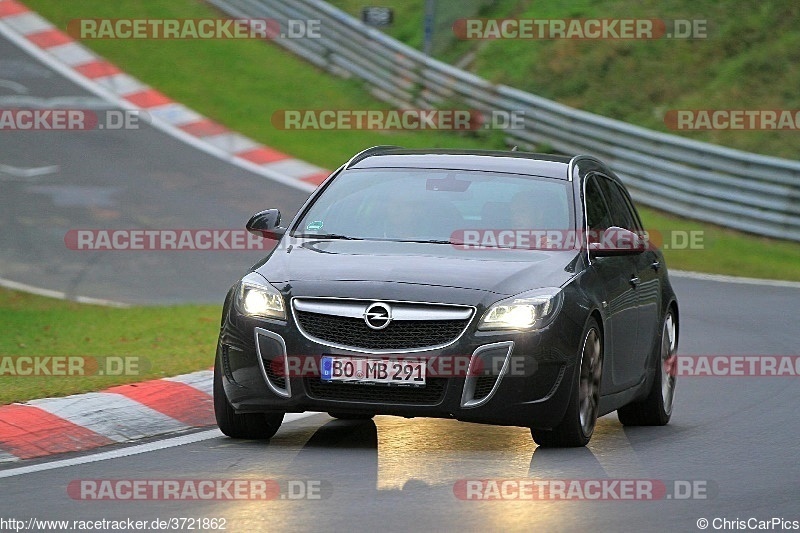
373	371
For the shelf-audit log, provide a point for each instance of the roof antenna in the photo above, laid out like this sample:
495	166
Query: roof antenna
515	148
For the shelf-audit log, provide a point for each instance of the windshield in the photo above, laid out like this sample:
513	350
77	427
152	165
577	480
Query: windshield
434	205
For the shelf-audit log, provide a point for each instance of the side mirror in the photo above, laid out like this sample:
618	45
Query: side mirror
265	224
617	241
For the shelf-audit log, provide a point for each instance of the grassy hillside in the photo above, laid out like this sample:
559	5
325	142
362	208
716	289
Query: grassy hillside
751	60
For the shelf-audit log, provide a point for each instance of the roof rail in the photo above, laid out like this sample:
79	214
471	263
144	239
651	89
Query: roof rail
374	150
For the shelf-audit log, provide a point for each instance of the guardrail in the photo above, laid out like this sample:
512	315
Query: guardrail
732	188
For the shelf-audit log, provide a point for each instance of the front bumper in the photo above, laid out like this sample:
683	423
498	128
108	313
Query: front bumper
270	366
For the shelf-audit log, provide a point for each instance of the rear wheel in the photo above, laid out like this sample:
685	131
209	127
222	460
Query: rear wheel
579	420
656	409
241	426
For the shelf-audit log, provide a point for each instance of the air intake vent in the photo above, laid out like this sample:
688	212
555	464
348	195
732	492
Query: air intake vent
488	365
272	357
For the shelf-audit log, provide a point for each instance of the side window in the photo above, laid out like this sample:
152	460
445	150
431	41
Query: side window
637	221
597	216
621	212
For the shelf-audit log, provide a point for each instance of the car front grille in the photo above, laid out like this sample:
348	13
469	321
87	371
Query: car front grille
399	335
431	394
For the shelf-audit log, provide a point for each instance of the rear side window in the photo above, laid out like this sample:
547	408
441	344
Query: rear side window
622	213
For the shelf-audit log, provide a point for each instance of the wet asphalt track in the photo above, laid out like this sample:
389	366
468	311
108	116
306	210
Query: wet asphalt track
738	436
126	179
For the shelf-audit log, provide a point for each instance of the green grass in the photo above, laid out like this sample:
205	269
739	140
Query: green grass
408	25
166	341
725	251
751	60
241	83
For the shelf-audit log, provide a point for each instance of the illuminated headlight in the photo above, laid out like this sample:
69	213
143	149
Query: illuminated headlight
256	297
529	310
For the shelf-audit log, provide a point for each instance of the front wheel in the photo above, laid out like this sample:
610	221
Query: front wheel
241	426
656	409
578	424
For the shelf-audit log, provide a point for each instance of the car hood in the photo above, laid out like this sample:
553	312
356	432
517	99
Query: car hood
504	272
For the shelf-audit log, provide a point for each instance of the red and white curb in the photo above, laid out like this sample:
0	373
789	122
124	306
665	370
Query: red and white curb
120	414
59	51
44	427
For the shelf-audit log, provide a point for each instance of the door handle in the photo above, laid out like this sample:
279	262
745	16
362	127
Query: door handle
635	281
655	265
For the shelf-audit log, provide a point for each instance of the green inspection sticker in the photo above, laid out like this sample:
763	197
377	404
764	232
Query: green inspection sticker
314	226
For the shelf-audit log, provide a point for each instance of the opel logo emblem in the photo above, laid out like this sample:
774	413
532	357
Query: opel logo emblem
378	315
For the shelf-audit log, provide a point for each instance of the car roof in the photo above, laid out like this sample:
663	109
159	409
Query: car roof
528	163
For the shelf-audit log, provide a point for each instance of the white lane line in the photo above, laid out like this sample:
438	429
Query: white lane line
111	415
132	450
14	86
734	279
24	287
29	172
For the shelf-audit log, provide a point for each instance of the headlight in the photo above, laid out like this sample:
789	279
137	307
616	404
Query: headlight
529	310
256	297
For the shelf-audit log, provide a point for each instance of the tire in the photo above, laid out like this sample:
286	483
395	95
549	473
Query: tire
345	416
577	427
656	408
261	426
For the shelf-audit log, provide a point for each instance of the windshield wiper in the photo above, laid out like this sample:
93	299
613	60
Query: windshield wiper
336	236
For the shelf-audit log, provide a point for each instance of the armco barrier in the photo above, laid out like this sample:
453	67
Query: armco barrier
749	192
